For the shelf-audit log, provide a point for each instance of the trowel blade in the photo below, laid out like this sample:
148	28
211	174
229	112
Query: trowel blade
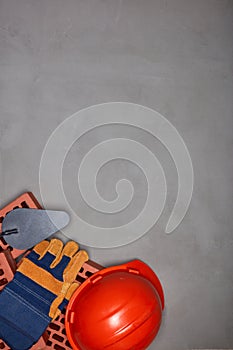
32	225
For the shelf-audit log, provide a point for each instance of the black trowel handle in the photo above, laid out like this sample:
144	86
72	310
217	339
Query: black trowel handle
9	232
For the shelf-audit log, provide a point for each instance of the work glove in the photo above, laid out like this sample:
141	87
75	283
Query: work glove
42	286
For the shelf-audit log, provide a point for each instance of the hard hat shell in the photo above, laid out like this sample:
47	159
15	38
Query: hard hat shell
118	308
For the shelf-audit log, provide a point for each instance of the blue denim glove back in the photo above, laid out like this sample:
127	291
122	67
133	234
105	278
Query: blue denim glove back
42	286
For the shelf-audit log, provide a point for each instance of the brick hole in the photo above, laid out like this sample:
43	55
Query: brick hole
24	204
54	326
67	343
16	207
49	332
64	331
88	273
58	347
57	318
3	281
62	320
57	337
2	345
1	220
80	279
81	270
49	343
1	272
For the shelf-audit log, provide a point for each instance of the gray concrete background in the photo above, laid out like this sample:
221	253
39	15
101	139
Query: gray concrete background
175	56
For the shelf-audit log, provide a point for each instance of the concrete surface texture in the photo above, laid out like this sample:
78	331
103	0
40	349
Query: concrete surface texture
175	56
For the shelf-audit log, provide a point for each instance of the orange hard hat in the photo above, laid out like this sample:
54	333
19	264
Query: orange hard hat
117	308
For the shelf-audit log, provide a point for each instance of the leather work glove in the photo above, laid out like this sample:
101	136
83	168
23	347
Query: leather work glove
42	286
